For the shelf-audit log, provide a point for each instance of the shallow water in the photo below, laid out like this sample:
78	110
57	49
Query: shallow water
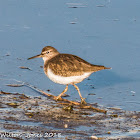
105	32
102	32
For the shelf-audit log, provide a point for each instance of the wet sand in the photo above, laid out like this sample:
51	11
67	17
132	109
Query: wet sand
39	117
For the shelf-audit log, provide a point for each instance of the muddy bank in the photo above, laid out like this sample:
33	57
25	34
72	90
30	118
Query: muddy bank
40	117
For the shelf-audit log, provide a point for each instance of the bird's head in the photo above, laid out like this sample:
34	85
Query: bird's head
47	53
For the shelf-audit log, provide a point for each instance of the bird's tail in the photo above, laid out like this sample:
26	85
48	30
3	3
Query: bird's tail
99	67
107	68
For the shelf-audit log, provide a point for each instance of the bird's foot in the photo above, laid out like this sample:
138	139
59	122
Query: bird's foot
83	101
58	98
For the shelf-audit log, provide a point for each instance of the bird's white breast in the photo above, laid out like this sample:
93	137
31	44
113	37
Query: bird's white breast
66	80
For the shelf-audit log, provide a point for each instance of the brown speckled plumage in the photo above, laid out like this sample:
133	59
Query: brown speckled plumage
70	65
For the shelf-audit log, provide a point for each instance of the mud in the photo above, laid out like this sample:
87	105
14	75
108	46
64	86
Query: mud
24	117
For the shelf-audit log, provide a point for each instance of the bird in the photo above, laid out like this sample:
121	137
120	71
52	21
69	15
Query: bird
66	69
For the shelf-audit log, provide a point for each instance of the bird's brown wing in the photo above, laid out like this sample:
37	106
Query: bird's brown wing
69	65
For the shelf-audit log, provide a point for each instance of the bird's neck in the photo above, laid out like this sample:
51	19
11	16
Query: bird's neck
45	59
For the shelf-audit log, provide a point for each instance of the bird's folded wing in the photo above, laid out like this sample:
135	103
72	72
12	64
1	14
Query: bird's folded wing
69	65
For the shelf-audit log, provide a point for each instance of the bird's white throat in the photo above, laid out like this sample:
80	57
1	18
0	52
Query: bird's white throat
45	59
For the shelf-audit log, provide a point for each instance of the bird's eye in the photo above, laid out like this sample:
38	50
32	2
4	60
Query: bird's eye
48	52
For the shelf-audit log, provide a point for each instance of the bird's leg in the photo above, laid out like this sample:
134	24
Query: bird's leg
65	90
82	99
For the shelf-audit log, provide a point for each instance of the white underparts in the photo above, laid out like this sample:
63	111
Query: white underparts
66	80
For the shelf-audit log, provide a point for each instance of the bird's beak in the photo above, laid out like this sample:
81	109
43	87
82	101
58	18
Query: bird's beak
37	56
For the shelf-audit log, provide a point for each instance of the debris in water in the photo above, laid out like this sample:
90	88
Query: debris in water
94	138
76	5
65	125
100	5
65	95
15	85
14	105
91	94
29	114
2	92
73	22
68	108
22	67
